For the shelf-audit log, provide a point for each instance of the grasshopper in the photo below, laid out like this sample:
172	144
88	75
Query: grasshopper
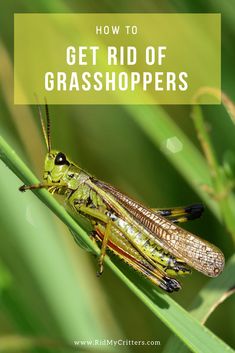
148	240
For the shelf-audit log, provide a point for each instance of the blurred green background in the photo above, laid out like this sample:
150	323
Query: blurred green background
49	291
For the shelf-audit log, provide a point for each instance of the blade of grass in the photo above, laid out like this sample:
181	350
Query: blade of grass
49	293
197	337
213	293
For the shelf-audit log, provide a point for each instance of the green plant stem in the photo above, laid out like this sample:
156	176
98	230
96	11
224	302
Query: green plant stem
220	191
197	337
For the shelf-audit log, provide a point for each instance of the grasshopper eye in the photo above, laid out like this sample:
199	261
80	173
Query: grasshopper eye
60	159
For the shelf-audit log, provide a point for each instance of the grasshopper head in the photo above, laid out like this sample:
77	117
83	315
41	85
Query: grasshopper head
56	166
62	173
56	163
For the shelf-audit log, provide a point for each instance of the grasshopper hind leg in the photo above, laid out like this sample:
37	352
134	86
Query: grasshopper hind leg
181	214
176	267
156	275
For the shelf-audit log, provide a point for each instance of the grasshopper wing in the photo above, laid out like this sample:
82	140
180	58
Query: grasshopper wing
196	252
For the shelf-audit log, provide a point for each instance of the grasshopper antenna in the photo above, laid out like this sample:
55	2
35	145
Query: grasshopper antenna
45	130
48	130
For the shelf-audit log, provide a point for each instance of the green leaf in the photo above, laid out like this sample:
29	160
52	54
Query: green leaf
48	292
197	337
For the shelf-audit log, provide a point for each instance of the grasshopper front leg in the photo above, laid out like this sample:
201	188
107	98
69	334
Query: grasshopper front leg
47	186
103	248
34	187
